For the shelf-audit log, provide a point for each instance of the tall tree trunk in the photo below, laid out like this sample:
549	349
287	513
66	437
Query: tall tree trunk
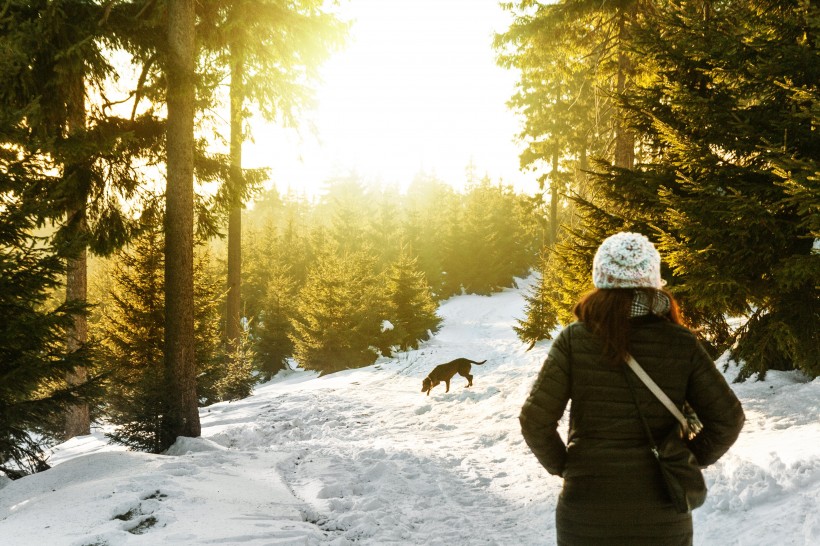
582	184
77	418
554	184
554	201
180	364
234	310
583	167
624	135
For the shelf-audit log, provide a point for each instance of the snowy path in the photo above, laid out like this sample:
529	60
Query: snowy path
363	457
377	462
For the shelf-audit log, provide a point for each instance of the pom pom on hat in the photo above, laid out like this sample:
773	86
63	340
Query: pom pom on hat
627	260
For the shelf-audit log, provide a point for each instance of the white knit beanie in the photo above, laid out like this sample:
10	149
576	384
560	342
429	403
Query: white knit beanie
627	260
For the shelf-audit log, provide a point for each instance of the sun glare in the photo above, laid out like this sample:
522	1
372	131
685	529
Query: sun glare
416	90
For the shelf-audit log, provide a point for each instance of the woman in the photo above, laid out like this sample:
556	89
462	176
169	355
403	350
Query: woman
613	491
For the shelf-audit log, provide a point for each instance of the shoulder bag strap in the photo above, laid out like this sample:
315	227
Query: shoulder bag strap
653	446
656	390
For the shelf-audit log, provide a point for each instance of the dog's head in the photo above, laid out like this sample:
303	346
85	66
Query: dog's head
426	384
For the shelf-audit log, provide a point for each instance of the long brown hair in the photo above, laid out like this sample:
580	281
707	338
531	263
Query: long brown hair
606	313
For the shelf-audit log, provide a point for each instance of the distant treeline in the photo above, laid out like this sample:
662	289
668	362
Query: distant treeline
320	279
327	285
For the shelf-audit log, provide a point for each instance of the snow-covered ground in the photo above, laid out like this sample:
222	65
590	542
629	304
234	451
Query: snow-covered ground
363	457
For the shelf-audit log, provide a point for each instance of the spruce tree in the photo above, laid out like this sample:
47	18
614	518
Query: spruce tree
424	228
503	245
279	255
55	67
566	269
383	230
454	252
223	373
132	335
271	51
339	313
732	117
478	246
273	331
575	59
236	378
34	358
540	317
725	119
347	206
410	307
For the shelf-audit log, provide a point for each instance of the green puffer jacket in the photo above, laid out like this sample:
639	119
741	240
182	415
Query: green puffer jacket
613	493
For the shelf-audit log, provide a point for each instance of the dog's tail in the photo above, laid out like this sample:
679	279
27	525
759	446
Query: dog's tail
479	363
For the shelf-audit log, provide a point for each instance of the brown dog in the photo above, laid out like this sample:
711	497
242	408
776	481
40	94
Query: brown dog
445	372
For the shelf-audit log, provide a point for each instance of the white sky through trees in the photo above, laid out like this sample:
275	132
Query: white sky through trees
415	90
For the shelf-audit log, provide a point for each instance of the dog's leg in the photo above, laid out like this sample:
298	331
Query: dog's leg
469	380
447	383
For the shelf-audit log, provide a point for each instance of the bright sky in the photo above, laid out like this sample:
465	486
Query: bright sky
416	90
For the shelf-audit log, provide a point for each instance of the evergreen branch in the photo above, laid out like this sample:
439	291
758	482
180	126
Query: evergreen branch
141	84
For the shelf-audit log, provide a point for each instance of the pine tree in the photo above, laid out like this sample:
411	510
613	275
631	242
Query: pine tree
410	307
383	230
34	359
339	314
54	71
132	336
732	117
271	51
346	206
540	317
575	59
457	267
221	375
274	345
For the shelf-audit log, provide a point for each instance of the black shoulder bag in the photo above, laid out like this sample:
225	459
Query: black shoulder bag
679	468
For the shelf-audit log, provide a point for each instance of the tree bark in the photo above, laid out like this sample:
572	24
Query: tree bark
554	176
180	365
77	416
554	201
583	167
234	303
624	135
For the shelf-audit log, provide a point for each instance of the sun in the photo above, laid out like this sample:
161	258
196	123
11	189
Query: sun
415	90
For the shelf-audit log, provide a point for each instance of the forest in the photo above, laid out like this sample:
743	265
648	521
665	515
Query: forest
145	273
